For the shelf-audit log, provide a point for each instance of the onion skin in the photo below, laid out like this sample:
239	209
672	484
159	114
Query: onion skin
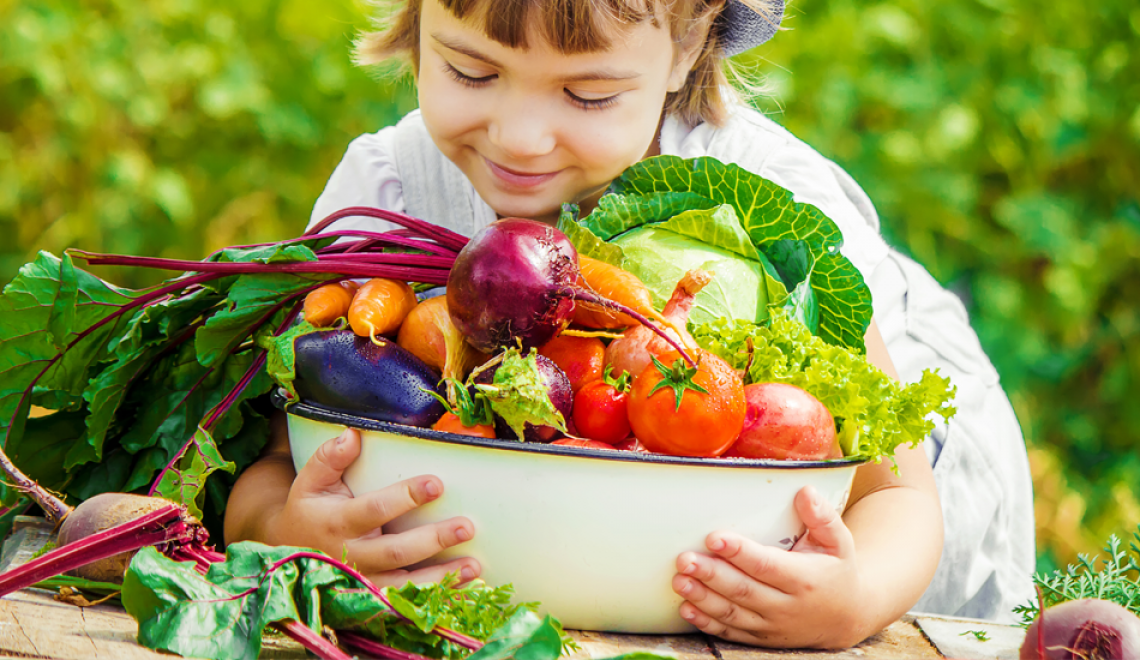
1086	629
429	334
512	285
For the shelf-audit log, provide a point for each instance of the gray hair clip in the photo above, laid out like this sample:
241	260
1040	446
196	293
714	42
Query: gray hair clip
743	28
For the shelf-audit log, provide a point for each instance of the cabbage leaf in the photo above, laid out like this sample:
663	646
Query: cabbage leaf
792	248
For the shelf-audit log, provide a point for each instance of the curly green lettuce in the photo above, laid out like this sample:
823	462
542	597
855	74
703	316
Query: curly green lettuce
874	413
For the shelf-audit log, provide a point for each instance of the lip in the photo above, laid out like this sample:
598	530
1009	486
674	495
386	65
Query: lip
516	178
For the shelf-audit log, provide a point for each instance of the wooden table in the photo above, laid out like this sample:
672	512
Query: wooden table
35	625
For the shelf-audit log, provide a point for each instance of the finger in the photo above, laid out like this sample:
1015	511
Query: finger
365	514
466	569
711	626
772	566
324	469
730	582
392	551
826	532
716	606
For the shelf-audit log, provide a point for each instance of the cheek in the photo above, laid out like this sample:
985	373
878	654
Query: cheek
616	140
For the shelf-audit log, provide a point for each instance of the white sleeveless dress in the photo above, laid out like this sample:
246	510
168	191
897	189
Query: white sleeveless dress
979	458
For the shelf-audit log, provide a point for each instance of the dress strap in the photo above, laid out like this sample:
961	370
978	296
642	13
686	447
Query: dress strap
434	188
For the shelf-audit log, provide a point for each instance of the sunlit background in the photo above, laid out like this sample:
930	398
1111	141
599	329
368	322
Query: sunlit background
1000	140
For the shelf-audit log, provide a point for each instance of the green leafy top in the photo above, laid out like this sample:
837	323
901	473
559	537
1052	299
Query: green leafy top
1117	580
519	394
729	208
875	414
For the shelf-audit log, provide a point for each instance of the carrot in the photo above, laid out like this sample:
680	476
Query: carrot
323	306
380	306
618	285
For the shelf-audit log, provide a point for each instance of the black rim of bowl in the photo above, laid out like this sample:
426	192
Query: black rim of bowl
322	414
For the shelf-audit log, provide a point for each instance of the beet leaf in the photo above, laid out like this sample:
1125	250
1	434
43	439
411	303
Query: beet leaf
223	613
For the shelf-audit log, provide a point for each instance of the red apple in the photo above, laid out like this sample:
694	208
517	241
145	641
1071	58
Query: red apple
785	422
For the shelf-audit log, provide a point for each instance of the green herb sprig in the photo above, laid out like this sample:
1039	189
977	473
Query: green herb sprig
1117	580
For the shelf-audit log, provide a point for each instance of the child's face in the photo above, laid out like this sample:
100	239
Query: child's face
534	128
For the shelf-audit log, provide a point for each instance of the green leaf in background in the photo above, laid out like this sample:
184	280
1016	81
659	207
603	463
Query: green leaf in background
251	297
281	361
185	481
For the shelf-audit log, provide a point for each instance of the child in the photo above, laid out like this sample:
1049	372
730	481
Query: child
526	105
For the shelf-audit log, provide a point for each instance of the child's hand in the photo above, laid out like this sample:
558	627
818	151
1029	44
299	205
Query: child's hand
322	513
765	596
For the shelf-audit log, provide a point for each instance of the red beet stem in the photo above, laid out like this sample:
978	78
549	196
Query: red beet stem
376	648
165	525
387	262
305	636
450	635
579	293
442	236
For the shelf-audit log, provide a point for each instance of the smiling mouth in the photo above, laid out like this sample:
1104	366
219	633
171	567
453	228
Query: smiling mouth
516	178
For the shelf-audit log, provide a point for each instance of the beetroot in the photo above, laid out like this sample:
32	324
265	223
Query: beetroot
1086	629
558	389
514	285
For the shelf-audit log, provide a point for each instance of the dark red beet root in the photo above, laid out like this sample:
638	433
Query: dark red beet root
338	369
513	281
1087	629
561	395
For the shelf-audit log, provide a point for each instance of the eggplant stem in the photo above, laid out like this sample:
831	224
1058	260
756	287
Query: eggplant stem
578	293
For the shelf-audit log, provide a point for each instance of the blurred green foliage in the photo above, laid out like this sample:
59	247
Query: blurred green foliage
1000	140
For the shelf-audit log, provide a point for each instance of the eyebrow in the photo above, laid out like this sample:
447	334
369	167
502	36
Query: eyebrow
597	74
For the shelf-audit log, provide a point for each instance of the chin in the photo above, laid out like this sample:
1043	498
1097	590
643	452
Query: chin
507	207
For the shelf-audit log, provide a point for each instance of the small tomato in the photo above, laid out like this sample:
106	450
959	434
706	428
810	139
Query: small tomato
601	409
582	442
681	410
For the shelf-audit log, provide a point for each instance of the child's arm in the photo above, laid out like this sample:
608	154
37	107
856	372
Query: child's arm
845	579
273	504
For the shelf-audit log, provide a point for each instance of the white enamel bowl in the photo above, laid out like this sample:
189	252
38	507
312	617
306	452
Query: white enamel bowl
593	535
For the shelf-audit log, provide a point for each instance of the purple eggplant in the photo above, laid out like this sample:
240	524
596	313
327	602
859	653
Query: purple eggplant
379	380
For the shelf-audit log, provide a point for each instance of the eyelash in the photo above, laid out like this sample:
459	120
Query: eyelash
475	83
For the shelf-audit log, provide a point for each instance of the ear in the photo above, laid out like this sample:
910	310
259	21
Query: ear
689	48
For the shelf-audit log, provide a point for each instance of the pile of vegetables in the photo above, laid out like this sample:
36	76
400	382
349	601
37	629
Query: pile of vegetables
694	302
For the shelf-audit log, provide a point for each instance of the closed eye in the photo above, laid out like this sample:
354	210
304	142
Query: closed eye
464	79
592	104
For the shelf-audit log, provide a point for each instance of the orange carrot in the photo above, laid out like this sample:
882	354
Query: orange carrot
380	306
618	285
325	305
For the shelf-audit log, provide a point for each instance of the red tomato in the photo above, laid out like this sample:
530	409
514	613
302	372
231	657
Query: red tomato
601	412
582	442
704	423
450	423
580	358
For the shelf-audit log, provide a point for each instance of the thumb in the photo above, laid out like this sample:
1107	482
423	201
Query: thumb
826	532
324	469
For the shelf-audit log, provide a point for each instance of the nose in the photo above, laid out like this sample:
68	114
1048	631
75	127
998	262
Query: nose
522	130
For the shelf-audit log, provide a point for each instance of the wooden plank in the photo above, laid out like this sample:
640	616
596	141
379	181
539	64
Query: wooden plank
902	640
605	645
33	624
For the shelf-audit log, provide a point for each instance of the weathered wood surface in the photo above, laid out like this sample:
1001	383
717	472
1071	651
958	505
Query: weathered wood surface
35	625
